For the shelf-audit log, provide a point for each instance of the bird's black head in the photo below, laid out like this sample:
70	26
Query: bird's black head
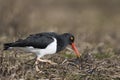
70	38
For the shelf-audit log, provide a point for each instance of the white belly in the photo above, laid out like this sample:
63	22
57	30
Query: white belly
50	49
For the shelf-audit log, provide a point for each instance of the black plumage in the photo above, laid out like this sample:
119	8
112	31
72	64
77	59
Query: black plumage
42	40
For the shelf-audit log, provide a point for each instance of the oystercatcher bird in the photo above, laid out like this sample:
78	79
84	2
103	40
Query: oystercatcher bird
44	43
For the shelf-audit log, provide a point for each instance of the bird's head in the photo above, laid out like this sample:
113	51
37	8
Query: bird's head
70	38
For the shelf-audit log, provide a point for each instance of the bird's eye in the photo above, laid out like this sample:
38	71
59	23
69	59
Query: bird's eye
71	38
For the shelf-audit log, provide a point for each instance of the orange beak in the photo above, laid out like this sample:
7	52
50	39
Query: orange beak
75	49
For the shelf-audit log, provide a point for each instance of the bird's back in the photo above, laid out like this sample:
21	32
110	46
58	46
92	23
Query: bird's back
40	40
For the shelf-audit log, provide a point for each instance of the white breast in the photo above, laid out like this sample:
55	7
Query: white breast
50	49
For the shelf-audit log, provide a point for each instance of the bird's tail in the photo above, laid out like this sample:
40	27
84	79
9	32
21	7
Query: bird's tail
6	46
18	43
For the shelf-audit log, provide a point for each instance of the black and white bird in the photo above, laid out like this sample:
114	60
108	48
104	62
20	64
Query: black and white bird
44	43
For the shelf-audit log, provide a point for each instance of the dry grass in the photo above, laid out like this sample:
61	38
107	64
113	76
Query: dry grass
91	66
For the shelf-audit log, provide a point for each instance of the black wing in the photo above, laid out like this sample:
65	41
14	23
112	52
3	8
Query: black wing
41	40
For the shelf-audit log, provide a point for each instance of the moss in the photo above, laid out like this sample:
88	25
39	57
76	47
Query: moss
69	55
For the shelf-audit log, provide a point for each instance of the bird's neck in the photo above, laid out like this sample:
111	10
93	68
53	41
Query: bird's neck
62	42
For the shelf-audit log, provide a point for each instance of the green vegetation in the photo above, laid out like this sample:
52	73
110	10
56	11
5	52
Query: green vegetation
71	55
102	56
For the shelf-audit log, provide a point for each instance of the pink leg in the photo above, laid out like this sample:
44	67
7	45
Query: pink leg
47	61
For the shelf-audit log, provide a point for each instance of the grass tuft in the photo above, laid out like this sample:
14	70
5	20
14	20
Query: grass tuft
102	56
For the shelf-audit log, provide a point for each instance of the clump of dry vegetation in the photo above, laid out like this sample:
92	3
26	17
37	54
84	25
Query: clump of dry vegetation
95	25
69	67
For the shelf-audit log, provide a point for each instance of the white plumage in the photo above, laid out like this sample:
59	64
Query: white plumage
50	49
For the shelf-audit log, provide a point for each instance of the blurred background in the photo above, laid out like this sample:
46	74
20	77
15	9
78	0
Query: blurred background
95	24
91	21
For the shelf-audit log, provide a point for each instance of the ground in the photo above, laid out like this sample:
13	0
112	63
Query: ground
18	65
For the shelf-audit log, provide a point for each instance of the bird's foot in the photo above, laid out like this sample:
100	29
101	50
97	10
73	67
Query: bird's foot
47	61
39	71
37	68
40	60
52	63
